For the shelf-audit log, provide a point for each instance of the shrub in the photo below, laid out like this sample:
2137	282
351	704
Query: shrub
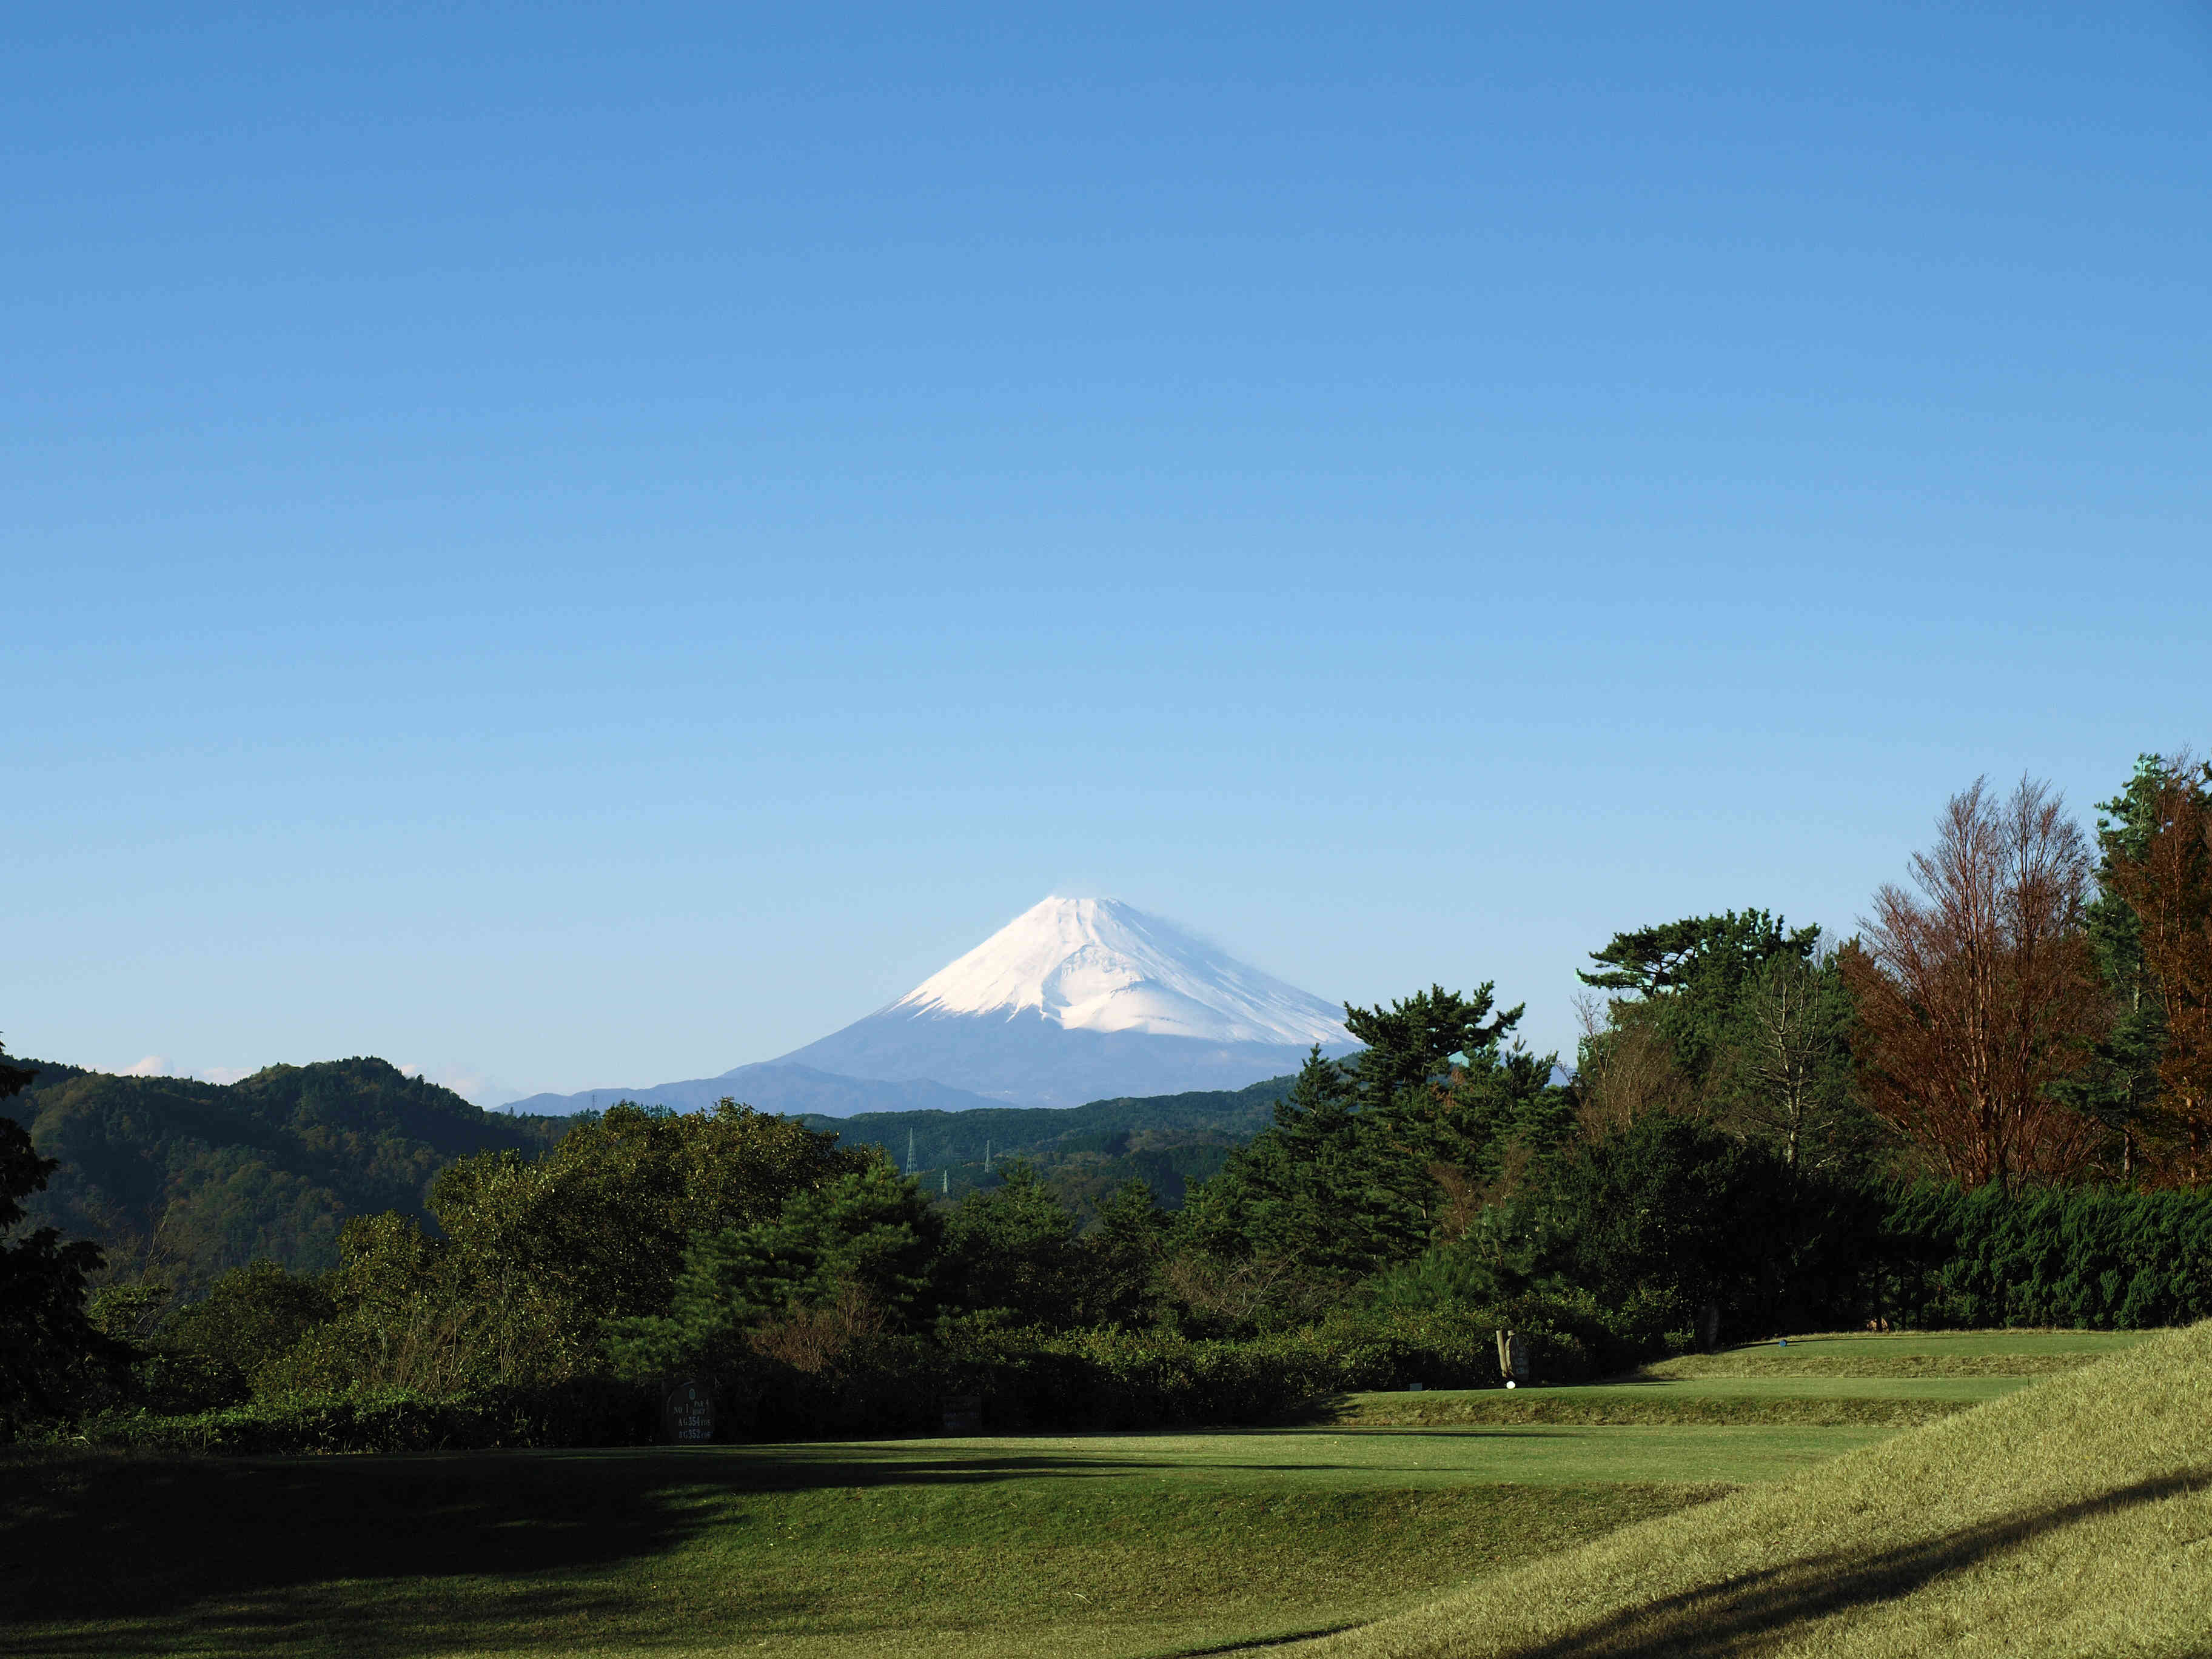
587	1411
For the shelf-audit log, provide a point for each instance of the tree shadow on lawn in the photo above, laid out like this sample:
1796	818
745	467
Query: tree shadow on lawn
363	1552
1757	1612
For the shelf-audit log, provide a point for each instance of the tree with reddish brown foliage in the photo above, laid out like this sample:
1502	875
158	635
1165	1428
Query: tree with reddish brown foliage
2169	887
1976	995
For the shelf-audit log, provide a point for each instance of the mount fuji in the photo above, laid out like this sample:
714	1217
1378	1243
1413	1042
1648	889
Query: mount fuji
1075	1000
1083	998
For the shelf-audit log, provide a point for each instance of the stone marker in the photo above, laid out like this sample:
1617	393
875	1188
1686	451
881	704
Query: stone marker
963	1413
687	1411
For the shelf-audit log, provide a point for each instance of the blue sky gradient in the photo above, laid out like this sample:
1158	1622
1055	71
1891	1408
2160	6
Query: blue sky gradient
582	546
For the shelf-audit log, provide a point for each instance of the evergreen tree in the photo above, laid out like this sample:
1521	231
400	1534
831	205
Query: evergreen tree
2119	1087
1314	1186
49	1350
1686	980
871	1232
1668	1220
2163	871
1368	1159
1127	1245
1413	1042
1012	1249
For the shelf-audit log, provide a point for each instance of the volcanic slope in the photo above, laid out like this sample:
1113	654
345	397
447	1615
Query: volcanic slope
1085	999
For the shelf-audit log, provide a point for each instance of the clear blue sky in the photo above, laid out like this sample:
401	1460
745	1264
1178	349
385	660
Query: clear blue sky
574	547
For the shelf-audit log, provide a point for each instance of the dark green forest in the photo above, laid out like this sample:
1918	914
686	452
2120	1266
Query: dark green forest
1987	1106
182	1181
1170	1142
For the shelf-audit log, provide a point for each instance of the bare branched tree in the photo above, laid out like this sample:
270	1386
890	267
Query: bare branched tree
1791	1039
1974	995
1625	1070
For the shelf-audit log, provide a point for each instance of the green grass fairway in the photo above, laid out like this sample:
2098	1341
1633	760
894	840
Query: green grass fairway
1095	1546
1327	1460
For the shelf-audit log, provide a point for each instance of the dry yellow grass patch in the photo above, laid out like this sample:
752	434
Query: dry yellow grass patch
2072	1517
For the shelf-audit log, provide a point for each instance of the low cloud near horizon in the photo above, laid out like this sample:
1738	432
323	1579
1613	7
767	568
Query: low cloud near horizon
158	1065
466	1081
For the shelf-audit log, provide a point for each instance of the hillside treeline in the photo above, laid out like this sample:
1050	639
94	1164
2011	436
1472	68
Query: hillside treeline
180	1180
1170	1142
1988	1106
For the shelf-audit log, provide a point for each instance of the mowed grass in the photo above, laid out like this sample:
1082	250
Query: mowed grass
1818	1401
1907	1354
1097	1546
2071	1517
1107	1545
1886	1381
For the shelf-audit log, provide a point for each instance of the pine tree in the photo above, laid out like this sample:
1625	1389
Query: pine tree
1685	982
1367	1160
2120	1085
873	1232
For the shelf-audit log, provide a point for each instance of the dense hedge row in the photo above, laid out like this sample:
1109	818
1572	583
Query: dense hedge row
2101	1258
1135	1379
1022	1379
588	1412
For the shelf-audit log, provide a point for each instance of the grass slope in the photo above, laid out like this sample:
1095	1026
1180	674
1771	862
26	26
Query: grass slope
2073	1517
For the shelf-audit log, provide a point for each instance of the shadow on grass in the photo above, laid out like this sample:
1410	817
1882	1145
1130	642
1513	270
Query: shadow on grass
1450	1431
1758	1611
115	1554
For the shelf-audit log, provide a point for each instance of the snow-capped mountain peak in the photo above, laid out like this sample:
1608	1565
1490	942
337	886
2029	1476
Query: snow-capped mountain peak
1096	964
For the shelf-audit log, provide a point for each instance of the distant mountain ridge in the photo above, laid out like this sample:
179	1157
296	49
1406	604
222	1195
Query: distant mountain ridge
1170	1142
768	1086
1085	999
1095	964
938	1140
1074	1000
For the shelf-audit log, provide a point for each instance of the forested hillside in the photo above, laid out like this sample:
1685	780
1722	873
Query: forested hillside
1170	1142
184	1179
